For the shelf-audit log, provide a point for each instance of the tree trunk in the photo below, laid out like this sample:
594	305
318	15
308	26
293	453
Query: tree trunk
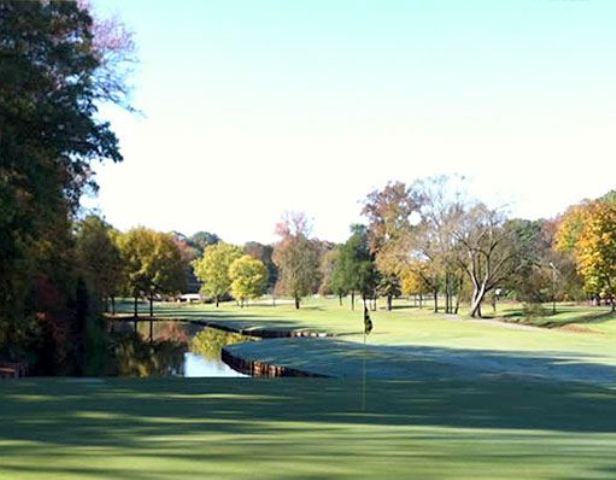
478	294
340	300
296	302
113	307
151	330
389	301
352	300
151	305
136	315
374	304
447	299
420	301
217	300
459	291
435	301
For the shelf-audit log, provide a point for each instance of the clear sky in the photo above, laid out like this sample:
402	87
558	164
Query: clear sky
255	107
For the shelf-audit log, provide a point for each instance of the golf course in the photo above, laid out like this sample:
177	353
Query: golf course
428	396
307	240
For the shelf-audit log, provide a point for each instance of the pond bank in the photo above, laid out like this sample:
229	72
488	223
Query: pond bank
246	366
256	368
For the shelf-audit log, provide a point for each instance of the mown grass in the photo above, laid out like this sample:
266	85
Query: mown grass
409	342
430	397
305	429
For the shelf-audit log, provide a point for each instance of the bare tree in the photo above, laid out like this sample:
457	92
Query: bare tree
488	251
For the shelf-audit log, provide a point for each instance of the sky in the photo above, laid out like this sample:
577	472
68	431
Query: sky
256	107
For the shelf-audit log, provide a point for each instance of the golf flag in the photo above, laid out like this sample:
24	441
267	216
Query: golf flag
367	322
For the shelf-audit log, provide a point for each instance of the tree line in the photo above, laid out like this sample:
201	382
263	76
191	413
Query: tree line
60	269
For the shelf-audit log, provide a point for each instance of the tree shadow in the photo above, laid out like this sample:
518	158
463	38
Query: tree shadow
218	422
347	359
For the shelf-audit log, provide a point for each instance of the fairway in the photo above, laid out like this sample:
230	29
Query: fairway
430	396
415	343
305	428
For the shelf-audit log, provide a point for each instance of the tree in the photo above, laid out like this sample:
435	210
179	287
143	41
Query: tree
356	268
389	287
488	249
154	264
264	253
213	269
248	278
189	254
296	256
443	203
99	258
390	228
202	240
55	73
326	268
595	250
570	226
416	280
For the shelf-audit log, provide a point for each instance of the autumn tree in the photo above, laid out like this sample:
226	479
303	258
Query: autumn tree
248	278
154	264
326	268
296	256
416	280
264	253
390	228
595	250
99	258
55	75
213	269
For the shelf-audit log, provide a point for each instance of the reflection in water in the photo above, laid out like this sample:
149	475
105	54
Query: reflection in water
210	341
138	358
178	349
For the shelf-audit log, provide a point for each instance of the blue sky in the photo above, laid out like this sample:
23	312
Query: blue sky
255	107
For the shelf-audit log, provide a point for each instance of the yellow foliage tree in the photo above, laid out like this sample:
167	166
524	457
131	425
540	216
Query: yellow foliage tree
595	250
570	227
248	278
417	278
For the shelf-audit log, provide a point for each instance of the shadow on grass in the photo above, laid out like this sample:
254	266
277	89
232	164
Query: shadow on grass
555	321
219	422
346	359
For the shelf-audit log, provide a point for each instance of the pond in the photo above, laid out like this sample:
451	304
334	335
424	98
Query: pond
178	349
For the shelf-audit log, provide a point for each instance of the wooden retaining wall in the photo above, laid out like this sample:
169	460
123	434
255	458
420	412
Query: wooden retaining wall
256	368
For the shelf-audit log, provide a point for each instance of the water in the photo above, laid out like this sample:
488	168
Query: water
178	349
195	365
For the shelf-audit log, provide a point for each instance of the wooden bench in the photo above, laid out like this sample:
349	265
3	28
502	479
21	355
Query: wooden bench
12	370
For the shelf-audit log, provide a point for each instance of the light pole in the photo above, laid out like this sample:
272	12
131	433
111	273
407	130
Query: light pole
553	288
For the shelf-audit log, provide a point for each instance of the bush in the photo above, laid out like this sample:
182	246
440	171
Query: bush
533	310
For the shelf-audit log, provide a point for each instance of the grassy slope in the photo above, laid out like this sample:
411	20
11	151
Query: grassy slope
305	428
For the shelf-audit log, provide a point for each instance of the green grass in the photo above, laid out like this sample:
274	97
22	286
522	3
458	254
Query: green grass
430	397
305	429
412	343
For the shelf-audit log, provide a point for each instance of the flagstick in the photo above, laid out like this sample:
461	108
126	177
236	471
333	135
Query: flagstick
363	390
